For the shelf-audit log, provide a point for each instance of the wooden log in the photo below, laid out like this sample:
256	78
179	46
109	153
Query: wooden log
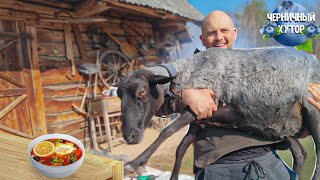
52	3
59	106
139	23
69	47
56	118
29	7
76	20
79	41
58	76
63	91
48	63
55	36
67	127
59	50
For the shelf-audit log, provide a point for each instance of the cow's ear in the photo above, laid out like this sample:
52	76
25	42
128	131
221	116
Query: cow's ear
159	79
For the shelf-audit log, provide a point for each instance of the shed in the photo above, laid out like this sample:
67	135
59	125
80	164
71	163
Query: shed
43	41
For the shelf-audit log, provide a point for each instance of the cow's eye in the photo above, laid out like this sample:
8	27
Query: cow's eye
141	94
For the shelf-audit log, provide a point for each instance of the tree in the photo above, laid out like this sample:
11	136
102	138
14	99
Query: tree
248	23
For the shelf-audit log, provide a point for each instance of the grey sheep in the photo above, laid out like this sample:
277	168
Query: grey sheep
266	87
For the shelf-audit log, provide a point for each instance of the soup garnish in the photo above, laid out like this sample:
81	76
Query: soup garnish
56	152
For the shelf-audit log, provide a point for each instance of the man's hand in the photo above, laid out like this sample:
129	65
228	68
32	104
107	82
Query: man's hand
200	101
314	89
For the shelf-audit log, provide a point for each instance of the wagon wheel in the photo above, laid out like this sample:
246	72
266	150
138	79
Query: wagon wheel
114	66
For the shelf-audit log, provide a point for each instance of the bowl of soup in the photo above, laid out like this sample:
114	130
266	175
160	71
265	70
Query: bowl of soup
56	155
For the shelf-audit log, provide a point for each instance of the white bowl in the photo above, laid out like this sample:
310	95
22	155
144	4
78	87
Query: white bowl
56	171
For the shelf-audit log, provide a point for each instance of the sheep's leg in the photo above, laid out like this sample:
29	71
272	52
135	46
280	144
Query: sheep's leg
312	118
186	118
182	148
299	154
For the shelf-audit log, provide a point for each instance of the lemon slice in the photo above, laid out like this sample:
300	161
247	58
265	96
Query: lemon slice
43	149
64	149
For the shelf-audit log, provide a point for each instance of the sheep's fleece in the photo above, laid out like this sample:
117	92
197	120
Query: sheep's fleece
266	84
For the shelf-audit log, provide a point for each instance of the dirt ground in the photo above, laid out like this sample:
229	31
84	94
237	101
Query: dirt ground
163	158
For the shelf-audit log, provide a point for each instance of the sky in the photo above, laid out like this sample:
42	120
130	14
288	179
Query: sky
231	6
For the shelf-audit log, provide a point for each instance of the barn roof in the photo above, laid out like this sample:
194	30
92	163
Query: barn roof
176	7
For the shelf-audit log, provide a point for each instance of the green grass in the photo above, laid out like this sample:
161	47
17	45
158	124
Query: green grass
309	162
165	163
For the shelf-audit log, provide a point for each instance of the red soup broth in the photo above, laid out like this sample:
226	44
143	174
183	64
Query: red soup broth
55	159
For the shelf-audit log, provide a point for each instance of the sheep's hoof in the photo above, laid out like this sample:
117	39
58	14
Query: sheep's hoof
129	169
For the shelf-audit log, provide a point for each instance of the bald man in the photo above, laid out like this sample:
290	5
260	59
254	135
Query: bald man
226	153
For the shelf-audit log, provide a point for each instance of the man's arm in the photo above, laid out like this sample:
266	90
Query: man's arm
200	101
314	89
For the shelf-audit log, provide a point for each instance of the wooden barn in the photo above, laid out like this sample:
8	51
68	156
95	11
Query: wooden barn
42	42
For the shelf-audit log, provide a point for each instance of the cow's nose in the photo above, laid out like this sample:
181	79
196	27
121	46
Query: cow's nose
132	137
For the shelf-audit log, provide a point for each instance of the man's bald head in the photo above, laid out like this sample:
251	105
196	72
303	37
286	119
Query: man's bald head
216	16
218	30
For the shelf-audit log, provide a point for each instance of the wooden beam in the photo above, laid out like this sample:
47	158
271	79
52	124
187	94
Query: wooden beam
12	92
9	45
35	8
11	80
15	132
69	47
8	35
12	105
77	33
54	3
90	7
83	4
37	108
76	21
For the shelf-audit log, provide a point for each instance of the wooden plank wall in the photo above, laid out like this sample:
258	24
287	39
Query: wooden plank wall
59	87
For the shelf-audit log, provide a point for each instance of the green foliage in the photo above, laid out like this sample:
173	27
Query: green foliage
306	46
309	162
265	37
277	31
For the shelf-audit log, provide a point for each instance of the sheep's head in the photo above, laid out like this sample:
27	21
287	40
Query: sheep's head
141	97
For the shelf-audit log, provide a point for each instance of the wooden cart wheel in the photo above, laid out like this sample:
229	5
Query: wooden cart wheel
114	66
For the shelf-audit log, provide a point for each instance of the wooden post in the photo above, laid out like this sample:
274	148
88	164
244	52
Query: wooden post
38	121
99	126
105	115
82	49
69	47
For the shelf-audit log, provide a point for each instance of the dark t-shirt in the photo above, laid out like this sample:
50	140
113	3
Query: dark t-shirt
245	153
